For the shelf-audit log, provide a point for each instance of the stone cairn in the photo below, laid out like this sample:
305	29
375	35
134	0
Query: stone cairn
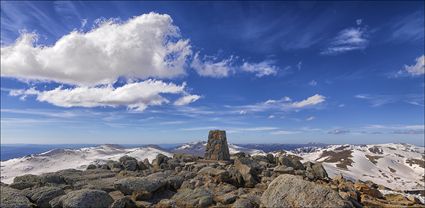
217	148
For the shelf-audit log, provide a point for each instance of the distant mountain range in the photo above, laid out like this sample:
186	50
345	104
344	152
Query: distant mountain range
397	166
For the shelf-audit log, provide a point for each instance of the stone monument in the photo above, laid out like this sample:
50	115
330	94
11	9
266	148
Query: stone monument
217	148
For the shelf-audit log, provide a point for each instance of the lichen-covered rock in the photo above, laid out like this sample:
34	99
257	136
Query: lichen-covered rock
198	197
249	169
293	191
43	195
217	148
13	198
86	198
25	181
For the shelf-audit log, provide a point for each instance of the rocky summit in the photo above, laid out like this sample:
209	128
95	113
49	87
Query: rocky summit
217	180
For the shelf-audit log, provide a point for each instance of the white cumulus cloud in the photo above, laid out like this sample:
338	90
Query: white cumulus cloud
417	69
136	96
145	46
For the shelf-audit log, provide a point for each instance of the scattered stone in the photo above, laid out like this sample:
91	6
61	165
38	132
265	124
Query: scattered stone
217	148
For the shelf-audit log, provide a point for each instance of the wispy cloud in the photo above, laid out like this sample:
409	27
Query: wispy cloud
310	118
407	28
339	131
379	100
265	68
312	83
283	104
283	132
354	38
397	129
211	66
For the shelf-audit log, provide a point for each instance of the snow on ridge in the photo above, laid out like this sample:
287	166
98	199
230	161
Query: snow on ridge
59	159
392	165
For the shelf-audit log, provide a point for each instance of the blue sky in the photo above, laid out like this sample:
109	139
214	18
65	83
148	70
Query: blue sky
157	72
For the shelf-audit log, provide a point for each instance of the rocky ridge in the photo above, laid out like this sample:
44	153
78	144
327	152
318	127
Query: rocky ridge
185	180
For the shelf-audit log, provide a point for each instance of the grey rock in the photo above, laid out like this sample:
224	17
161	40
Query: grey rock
160	161
226	198
245	203
104	184
315	171
290	161
198	197
113	165
217	148
293	191
175	182
13	198
249	169
129	163
86	198
142	166
284	170
185	157
91	166
131	184
124	202
43	195
221	175
25	181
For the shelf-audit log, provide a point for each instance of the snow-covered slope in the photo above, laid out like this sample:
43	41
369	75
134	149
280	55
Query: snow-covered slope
59	159
397	166
198	148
